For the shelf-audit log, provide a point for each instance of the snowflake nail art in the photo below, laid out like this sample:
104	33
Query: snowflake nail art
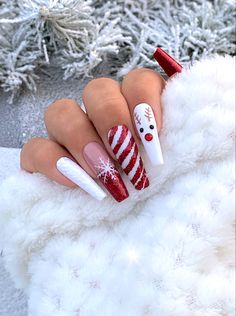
99	161
106	170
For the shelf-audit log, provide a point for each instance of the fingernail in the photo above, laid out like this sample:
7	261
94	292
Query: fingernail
126	151
147	128
99	161
76	174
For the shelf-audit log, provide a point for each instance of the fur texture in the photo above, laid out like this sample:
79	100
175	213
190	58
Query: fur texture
166	251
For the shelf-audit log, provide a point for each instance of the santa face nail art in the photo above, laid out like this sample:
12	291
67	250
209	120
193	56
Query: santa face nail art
146	126
126	151
99	161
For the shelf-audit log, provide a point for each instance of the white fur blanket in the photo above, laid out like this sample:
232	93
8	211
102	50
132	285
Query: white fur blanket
166	251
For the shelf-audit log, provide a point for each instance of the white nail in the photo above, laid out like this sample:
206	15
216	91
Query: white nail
147	128
76	174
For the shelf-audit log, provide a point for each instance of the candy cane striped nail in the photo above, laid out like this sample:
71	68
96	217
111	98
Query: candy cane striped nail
126	151
147	128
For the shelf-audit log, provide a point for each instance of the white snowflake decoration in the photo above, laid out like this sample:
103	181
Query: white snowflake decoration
106	169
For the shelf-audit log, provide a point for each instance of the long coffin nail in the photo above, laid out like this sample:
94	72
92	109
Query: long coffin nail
76	174
99	161
126	151
167	63
146	125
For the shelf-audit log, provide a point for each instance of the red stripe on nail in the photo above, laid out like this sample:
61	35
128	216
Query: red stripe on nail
138	172
143	183
139	180
132	161
120	141
112	133
126	151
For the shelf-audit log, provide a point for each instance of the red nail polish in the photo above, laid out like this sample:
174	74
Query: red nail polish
99	161
126	151
167	63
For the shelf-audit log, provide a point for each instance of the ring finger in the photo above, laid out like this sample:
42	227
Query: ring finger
70	127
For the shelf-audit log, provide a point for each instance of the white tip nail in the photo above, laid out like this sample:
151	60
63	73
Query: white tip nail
147	128
76	174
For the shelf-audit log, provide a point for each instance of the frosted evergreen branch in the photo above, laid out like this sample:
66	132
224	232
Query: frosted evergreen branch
93	37
17	62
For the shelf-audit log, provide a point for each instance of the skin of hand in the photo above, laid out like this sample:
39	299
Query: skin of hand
82	147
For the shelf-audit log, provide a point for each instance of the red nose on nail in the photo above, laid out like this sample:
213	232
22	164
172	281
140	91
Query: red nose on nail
148	137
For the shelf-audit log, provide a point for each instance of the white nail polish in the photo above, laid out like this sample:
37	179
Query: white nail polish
146	125
76	174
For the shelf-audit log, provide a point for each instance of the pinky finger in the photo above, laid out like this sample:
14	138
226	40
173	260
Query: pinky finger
49	158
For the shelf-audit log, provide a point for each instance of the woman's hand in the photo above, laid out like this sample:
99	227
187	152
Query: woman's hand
84	146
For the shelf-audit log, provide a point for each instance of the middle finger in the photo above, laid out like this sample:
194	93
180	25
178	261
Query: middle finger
109	112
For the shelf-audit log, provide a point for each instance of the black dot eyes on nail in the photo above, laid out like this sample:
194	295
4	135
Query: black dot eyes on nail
141	130
151	126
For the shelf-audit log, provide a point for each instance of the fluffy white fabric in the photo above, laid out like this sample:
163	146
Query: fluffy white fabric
168	250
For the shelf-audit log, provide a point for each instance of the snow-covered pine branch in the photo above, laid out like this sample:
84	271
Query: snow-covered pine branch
94	37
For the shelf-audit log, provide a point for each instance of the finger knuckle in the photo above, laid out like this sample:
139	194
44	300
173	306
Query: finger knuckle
71	127
42	149
59	109
111	102
141	73
31	151
23	154
43	154
143	79
32	143
98	85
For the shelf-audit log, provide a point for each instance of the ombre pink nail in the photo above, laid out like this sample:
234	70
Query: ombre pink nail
100	162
